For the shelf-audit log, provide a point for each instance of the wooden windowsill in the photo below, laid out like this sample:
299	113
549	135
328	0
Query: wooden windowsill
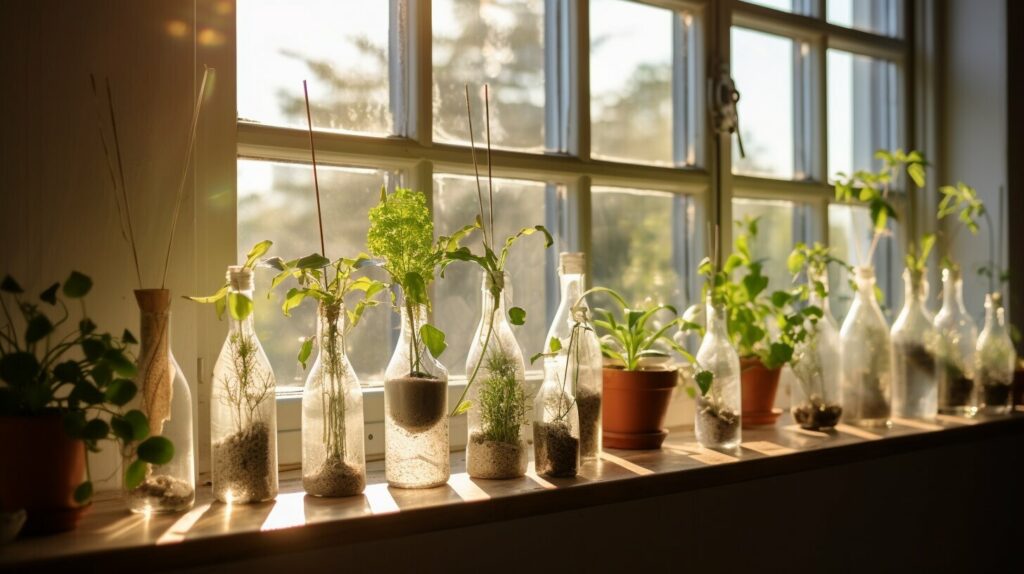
110	537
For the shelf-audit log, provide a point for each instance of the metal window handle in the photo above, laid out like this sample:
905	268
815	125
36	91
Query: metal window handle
726	112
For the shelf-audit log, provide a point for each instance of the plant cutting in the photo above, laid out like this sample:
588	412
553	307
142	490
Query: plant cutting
915	341
636	392
495	398
864	337
401	236
764	329
556	425
816	399
66	389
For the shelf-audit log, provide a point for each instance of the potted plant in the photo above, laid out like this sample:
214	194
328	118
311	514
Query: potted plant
416	442
915	340
65	389
636	390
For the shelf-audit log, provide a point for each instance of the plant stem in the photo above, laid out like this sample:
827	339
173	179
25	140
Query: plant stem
991	252
476	168
124	188
479	361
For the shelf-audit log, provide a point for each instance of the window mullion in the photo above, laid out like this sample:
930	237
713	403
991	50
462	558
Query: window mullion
579	83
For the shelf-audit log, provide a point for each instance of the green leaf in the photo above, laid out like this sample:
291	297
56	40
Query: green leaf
93	348
778	355
256	252
120	392
74	422
415	288
128	338
535	356
239	305
433	338
796	259
83	492
781	298
916	173
50	295
95	429
156	450
86	326
139	422
554	345
704	380
77	285
305	351
754	285
517	316
293	299
67	372
120	364
220	294
122	429
462	408
19	369
134	474
313	261
10	285
37	329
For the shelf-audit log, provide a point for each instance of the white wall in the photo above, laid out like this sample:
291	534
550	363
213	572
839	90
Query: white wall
56	208
974	131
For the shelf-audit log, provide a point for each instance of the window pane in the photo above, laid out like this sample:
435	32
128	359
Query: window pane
863	110
276	201
850	238
639	244
775	238
457	298
631	81
784	5
762	66
499	42
877	16
339	46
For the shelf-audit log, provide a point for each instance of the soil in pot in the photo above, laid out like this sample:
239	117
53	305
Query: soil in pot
416	402
918	376
588	404
996	394
958	389
873	406
493	459
334	478
718	426
556	451
816	414
242	467
162	493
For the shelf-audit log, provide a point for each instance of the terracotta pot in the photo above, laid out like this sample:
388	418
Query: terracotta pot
42	466
759	386
634	406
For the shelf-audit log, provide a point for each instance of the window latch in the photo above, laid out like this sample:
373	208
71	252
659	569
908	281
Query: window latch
725	112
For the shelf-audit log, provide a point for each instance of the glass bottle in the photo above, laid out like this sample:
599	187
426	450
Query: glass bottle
816	398
243	412
164	397
415	410
915	387
866	356
957	338
333	456
996	360
499	405
556	426
717	421
581	351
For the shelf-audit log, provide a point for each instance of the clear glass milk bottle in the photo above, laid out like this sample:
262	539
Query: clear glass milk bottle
581	351
717	420
333	456
243	412
556	428
164	397
996	360
866	357
957	338
499	405
415	410
915	387
816	398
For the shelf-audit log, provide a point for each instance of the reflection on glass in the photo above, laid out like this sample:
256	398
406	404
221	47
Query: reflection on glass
339	46
774	237
498	42
784	5
517	204
863	111
877	16
762	66
631	81
276	201
849	233
639	244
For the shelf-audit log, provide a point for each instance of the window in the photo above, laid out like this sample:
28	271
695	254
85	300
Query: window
863	112
778	230
876	16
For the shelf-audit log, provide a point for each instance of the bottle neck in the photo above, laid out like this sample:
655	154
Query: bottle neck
330	326
952	292
572	289
246	324
716	319
414	316
865	281
995	316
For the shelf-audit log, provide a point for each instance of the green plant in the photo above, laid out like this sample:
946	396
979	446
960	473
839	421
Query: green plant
872	189
917	256
84	376
503	402
402	235
492	264
238	304
963	201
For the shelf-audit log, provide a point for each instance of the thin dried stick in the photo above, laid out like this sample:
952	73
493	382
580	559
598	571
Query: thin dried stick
476	167
490	180
184	172
124	187
316	180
